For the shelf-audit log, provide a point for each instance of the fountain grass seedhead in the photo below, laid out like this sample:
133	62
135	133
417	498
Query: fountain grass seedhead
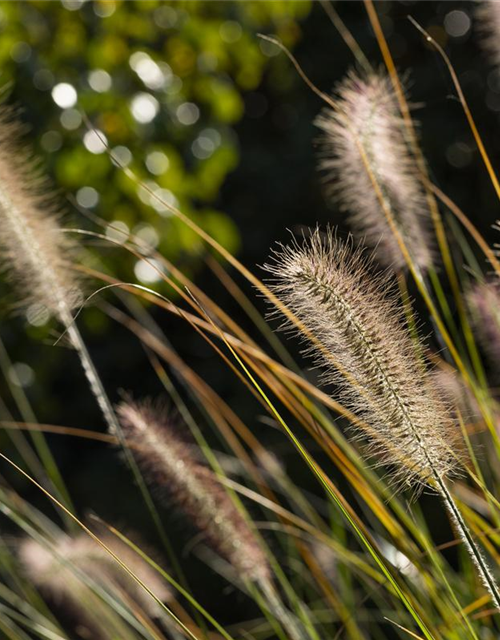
168	462
35	252
487	15
361	341
364	141
61	569
483	301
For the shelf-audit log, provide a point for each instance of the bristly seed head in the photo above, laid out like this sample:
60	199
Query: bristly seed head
168	462
484	304
358	335
34	251
62	571
487	15
367	131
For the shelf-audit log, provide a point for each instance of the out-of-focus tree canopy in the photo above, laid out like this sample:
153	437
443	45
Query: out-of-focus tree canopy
169	86
164	83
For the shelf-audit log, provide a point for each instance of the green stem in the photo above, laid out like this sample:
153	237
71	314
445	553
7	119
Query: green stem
471	546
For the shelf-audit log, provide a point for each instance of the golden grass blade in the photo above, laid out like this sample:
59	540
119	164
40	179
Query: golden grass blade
463	102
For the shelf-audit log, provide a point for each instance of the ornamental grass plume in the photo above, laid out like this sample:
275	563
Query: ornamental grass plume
370	171
361	340
168	462
34	250
487	15
35	253
483	300
62	570
358	334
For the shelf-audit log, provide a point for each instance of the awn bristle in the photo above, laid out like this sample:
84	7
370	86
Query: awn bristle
366	130
362	342
36	253
168	463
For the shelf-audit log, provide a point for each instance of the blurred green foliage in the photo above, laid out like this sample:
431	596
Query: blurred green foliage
164	82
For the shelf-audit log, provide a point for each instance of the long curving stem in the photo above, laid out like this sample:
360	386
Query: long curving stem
106	407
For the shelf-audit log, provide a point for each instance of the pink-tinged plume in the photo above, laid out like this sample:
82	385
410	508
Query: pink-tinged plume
358	335
370	171
484	305
168	462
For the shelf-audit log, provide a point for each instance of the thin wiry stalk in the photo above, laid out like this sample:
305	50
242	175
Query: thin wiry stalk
327	285
482	566
367	115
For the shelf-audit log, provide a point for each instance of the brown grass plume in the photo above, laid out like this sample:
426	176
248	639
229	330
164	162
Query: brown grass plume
169	463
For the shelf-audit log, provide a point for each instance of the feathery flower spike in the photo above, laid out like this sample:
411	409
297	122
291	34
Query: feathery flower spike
484	304
168	462
35	252
359	336
487	15
54	571
363	343
364	141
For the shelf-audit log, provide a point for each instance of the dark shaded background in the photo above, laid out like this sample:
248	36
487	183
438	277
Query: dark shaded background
274	186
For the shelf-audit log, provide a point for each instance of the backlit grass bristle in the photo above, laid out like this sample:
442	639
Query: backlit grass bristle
364	142
364	347
168	462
